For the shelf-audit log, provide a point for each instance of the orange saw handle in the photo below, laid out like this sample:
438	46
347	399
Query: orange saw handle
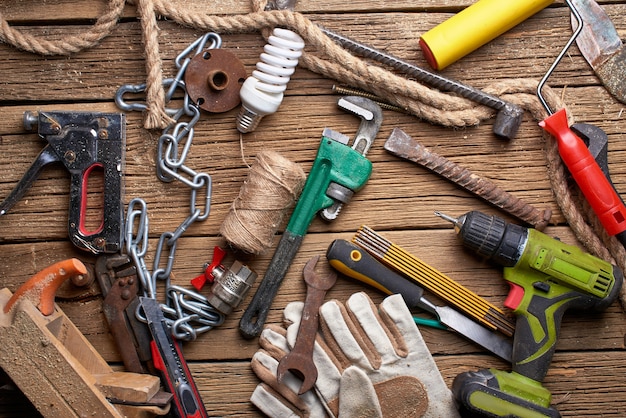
42	287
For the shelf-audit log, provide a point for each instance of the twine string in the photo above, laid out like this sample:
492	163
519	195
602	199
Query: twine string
271	189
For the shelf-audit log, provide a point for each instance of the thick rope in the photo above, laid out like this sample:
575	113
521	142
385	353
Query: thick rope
334	62
339	64
156	117
70	45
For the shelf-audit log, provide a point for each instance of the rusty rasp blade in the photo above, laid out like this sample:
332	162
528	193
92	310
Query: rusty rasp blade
602	47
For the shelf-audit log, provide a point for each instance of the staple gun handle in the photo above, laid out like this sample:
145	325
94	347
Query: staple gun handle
106	236
45	157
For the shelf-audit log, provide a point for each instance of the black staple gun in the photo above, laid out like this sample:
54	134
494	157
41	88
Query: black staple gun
84	142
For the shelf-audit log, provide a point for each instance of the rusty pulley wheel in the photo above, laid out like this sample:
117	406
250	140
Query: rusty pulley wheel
213	80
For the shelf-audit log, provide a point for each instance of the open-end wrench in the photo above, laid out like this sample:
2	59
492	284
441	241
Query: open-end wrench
337	173
300	360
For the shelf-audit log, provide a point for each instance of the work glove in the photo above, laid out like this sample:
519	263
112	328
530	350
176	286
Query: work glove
371	363
280	399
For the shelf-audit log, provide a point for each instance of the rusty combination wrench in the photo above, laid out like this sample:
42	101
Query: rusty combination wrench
300	360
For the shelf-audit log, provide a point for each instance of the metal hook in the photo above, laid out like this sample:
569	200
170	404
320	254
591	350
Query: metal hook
579	28
141	88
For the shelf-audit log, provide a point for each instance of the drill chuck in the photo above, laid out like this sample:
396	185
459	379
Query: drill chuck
490	236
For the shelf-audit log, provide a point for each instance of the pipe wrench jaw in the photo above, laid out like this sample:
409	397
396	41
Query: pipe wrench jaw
87	144
371	116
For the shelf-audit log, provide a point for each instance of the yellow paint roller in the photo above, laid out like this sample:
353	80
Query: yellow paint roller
473	27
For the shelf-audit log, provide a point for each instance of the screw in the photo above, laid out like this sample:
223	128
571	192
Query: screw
348	91
509	115
70	156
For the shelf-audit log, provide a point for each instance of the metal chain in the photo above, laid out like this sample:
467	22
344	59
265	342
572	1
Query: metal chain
187	312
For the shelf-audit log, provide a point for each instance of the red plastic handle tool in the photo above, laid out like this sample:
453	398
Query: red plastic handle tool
597	189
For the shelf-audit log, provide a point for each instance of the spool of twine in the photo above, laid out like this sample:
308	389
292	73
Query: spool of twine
271	189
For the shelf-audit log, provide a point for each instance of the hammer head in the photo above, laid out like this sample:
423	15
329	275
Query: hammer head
508	120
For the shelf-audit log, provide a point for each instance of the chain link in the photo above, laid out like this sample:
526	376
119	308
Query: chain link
187	312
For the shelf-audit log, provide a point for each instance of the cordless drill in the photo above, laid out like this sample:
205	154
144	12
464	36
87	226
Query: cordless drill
547	277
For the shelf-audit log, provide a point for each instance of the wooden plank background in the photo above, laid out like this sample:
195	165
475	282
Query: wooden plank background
587	376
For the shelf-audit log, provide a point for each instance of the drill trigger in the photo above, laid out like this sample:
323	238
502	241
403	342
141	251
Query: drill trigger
515	296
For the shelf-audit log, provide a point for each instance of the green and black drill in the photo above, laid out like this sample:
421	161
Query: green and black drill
547	277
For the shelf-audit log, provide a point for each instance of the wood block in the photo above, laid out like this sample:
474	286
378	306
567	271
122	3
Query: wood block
61	373
42	367
131	387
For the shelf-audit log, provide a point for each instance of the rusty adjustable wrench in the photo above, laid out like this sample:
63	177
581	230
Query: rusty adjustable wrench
338	172
120	286
300	360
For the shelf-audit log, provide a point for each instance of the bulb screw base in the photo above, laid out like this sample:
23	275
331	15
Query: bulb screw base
247	120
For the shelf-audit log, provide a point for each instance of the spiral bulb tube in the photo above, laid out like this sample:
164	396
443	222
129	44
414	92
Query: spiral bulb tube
262	93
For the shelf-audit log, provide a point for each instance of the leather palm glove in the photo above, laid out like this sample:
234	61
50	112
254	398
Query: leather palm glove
371	362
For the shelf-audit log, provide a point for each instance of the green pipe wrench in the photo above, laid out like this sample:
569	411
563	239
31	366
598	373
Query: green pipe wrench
339	171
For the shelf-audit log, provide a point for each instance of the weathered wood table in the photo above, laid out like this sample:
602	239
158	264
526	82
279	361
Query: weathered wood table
588	373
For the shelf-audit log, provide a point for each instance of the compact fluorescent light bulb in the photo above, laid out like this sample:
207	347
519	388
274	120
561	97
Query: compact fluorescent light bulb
262	93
